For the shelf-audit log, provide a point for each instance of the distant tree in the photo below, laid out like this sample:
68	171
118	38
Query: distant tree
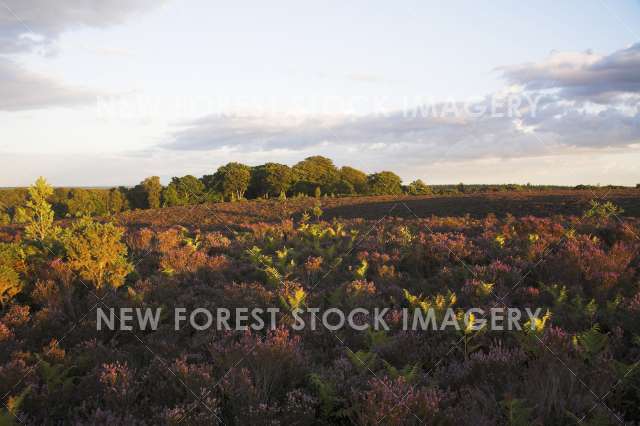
384	183
317	171
60	201
37	212
418	187
153	190
184	190
271	179
11	257
95	251
344	187
117	201
146	195
86	202
357	179
5	218
232	180
170	197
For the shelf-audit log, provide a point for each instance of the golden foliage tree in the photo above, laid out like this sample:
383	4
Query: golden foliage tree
95	251
11	258
37	213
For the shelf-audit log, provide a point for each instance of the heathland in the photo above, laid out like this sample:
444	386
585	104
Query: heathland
575	254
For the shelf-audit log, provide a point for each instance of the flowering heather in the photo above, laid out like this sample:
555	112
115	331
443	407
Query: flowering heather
583	274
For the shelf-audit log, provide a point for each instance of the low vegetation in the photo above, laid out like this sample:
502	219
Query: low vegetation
577	365
313	177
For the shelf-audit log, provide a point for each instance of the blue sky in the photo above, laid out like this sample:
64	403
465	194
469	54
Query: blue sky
282	80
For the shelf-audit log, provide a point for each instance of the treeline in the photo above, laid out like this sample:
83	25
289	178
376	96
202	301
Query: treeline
314	176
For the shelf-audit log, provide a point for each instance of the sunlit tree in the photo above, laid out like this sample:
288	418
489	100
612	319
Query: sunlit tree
95	251
37	213
385	183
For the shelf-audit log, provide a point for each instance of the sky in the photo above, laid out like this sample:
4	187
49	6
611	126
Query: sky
108	92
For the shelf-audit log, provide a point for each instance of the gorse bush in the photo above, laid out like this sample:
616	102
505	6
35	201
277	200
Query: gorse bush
96	253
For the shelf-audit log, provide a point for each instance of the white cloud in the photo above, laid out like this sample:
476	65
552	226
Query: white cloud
584	102
21	89
45	20
585	76
33	26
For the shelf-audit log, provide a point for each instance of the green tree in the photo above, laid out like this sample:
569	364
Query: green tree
117	201
418	187
153	191
316	171
357	178
95	251
183	191
232	180
271	179
87	202
344	187
37	213
147	194
385	183
170	197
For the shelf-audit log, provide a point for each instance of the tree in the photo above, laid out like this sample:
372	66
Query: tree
147	194
153	190
344	187
384	183
271	179
11	260
357	178
117	201
37	213
182	191
316	171
418	187
95	251
5	218
232	180
85	202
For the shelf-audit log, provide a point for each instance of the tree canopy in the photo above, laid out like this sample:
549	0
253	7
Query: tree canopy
232	180
385	183
183	190
271	179
316	171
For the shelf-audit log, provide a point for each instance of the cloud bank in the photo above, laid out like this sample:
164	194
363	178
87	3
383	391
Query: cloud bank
33	26
30	24
582	76
584	102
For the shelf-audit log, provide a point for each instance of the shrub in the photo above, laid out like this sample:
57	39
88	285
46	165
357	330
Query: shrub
37	213
95	251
